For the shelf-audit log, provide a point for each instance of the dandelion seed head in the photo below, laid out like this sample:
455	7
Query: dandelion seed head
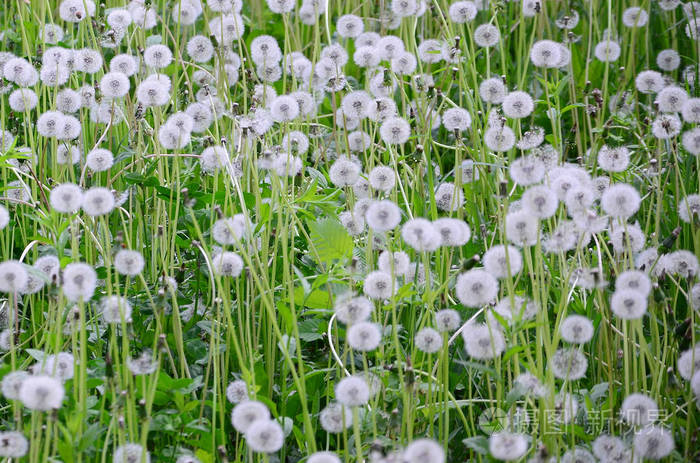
653	443
428	340
486	35
352	391
382	215
335	417
502	261
576	329
569	364
131	453
607	51
505	445
13	276
671	99
247	412
41	392
364	336
12	383
499	139
379	285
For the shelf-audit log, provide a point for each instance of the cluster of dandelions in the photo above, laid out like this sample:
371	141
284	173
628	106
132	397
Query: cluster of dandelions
582	218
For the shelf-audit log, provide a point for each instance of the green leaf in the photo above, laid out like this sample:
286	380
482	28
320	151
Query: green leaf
330	240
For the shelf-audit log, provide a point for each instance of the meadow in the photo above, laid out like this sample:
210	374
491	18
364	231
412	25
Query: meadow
323	231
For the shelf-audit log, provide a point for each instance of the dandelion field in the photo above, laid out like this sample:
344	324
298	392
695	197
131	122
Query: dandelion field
403	231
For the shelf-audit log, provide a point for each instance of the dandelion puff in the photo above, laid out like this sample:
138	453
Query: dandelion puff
144	364
395	131
517	309
649	82
129	262
382	178
476	288
456	119
74	11
453	232
383	215
41	392
227	231
97	201
606	447
639	410
527	170
59	366
691	141
507	446
344	172
23	99
635	17
66	198
530	384
265	436
284	108
50	123
349	26
628	237
461	12
404	64
576	329
157	56
486	35
540	201
114	84
499	139
671	99
613	159
131	453
492	90
628	304
237	391
4	217
653	443
247	412
364	336
99	160
447	320
379	285
12	384
423	451
51	33
448	197
546	54
565	407
323	457
13	444
114	309
366	57
607	51
428	340
689	362
79	281
503	261
152	93
634	280
350	310
522	228
569	364
69	128
352	391
421	235
13	276
335	417
469	171
390	46
668	126
620	200
21	72
228	264
689	208
668	60
354	224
